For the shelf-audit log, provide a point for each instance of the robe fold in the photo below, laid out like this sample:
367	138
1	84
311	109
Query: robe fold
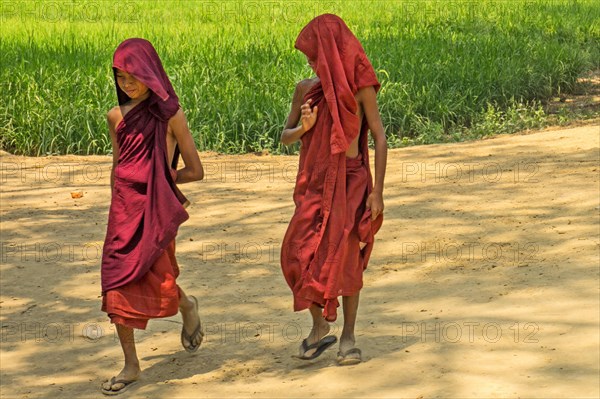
320	257
138	261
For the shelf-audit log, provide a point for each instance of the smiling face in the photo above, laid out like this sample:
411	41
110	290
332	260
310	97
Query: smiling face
135	89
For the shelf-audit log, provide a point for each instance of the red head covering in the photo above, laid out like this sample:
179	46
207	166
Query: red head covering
343	68
139	58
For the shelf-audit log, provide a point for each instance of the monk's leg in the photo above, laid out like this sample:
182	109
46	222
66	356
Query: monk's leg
190	316
350	304
131	371
320	328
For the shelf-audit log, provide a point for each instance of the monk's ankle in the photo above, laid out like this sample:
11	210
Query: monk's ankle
130	370
347	338
186	306
132	365
320	330
324	329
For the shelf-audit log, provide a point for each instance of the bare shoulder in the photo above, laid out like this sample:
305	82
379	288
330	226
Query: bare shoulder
114	112
304	85
176	122
307	83
114	116
178	117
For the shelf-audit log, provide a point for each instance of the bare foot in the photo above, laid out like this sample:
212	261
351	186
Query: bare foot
131	372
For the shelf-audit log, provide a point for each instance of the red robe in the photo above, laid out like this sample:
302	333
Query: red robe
138	261
320	255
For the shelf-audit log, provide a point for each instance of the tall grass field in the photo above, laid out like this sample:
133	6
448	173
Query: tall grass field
444	66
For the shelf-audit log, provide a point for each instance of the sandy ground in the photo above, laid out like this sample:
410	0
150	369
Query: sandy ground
483	283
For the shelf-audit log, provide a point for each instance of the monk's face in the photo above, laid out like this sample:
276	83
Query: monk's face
312	64
131	86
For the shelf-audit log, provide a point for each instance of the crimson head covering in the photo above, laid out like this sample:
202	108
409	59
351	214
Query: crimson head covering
139	58
343	68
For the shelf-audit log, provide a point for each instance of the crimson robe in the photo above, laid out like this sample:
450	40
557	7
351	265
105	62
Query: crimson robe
320	256
138	261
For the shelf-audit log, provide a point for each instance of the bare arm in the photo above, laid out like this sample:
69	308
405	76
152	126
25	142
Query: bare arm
193	169
113	118
368	99
299	112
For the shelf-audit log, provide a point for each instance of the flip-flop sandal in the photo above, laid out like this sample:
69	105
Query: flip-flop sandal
321	346
191	348
347	358
113	381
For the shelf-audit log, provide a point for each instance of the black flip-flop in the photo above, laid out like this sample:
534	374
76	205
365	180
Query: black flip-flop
191	348
321	346
113	381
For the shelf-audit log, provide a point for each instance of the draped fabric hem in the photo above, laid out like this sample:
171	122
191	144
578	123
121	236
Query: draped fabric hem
155	295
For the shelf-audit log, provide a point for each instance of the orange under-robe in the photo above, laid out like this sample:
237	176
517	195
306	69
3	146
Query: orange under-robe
153	296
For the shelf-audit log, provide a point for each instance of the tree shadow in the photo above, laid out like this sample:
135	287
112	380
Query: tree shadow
428	312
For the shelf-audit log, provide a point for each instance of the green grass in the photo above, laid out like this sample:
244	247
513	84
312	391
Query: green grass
445	67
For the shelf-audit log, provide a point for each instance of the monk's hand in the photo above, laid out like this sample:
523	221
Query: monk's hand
308	115
375	204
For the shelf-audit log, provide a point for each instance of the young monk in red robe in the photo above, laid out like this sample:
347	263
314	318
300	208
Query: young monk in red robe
139	270
338	210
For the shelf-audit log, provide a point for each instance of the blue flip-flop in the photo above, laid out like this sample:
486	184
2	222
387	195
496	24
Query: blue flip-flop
321	346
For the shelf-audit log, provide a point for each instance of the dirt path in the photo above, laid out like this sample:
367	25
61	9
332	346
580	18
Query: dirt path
483	283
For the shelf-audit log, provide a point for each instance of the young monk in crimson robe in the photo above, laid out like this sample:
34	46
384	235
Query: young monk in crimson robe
338	210
139	269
